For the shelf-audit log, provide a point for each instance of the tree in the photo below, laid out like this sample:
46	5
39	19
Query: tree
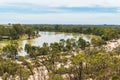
19	29
100	66
97	42
56	77
30	32
5	76
78	61
11	51
117	50
13	33
82	43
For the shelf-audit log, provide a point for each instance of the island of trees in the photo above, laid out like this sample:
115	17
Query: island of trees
69	59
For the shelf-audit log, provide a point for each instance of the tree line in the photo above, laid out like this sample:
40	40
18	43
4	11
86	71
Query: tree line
16	31
69	59
106	32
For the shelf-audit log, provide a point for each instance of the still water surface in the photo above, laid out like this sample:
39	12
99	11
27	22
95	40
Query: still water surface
48	37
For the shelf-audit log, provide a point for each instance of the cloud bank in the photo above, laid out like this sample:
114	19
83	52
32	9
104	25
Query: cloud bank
60	11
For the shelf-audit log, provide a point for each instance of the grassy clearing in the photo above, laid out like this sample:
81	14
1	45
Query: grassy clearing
5	42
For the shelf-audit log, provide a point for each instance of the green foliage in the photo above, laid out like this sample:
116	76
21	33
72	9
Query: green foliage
10	69
62	70
30	32
92	62
116	77
21	58
19	29
56	77
105	32
97	41
16	31
78	58
82	43
117	50
11	51
5	76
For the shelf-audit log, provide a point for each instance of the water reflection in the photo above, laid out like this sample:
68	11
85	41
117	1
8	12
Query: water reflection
49	37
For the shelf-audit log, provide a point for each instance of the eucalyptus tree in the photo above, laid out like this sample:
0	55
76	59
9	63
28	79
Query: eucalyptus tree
29	66
37	58
44	50
97	42
117	50
19	29
10	70
82	43
32	51
62	44
13	33
11	50
68	45
54	53
116	67
101	66
30	32
78	67
56	77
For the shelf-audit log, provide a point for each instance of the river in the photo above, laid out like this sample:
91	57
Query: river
50	37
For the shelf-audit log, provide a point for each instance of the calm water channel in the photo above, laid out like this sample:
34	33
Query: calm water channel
50	37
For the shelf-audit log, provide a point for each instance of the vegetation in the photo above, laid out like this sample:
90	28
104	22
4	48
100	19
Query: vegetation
71	59
91	63
16	31
105	32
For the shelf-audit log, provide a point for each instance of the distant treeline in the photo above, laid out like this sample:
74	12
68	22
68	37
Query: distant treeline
15	31
106	32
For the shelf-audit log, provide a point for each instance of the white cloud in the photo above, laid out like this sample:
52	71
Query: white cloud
69	3
60	18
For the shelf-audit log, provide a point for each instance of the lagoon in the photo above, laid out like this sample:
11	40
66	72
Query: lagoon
49	37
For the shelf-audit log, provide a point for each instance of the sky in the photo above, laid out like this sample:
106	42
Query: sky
60	11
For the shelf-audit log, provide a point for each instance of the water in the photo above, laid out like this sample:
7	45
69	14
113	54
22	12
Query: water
50	37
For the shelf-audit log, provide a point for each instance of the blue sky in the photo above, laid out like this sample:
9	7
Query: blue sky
60	11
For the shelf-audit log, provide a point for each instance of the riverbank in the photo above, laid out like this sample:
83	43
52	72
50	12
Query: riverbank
5	42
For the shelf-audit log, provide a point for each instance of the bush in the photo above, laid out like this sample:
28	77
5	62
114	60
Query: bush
116	77
21	58
56	77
